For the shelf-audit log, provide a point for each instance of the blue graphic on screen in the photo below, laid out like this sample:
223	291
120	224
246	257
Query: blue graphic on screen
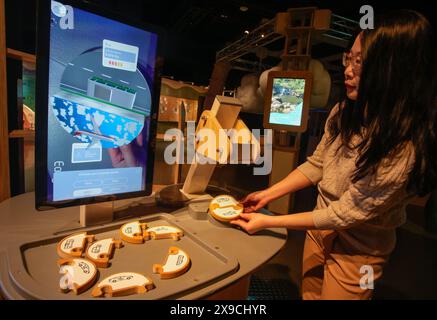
287	101
119	55
100	93
76	118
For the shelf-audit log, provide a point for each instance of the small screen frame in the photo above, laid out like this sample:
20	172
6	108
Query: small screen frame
307	76
41	106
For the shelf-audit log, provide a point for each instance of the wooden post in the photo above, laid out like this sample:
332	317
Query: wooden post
98	213
285	158
5	191
217	83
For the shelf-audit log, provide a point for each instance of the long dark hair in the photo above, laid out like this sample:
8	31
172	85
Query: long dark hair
396	101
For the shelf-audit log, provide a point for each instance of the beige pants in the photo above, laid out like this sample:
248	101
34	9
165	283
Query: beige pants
334	271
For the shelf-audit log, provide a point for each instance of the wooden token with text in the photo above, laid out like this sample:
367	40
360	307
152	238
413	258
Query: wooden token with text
164	232
123	284
100	252
225	208
73	245
133	232
77	274
176	263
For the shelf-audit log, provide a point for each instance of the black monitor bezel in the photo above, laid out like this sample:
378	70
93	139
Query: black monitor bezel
41	107
307	75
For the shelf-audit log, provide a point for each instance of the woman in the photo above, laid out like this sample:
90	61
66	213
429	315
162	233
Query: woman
376	153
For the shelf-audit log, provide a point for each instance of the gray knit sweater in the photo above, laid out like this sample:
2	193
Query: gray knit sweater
366	213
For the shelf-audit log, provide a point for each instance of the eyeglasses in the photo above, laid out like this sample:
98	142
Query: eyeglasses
355	60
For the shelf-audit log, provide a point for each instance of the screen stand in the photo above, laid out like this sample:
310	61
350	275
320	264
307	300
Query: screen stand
98	213
283	138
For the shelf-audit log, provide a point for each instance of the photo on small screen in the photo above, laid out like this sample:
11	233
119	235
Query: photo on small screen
287	101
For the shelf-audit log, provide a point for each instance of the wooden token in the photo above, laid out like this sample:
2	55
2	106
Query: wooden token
225	208
133	232
78	274
123	284
164	232
176	263
74	245
101	251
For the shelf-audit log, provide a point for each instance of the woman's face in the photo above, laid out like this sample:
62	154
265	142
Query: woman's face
353	70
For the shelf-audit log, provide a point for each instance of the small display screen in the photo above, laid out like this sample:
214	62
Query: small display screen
286	106
101	75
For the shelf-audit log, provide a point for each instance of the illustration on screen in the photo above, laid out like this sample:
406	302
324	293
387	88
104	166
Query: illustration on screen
287	101
101	76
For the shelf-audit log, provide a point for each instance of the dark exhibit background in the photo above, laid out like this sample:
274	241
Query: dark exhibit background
196	29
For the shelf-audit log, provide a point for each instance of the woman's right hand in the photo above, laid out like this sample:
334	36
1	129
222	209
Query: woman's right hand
255	201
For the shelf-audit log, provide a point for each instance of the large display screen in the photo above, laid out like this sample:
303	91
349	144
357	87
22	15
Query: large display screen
99	100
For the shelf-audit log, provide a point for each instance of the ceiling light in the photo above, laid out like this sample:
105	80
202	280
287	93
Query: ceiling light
244	8
246	31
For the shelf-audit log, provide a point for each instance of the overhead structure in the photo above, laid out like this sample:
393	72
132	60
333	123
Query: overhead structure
326	28
338	33
261	36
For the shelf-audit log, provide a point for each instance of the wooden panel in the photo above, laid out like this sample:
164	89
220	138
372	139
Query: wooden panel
420	201
217	82
4	137
14	74
28	135
226	110
322	19
170	109
29	165
282	22
19	55
283	163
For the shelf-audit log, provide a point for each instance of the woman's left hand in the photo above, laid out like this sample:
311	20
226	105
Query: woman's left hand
252	222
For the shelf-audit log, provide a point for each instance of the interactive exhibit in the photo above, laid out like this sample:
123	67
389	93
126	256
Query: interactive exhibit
94	228
105	237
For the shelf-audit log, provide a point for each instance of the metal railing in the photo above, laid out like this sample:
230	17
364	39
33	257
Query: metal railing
339	34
